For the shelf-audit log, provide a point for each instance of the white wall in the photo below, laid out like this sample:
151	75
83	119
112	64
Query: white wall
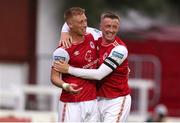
48	34
12	78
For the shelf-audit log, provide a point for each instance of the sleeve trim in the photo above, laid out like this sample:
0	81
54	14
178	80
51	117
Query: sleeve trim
110	66
111	63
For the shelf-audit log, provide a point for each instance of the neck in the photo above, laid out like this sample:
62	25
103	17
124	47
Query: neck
106	42
77	38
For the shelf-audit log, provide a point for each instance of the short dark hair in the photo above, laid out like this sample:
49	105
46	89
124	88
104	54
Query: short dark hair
109	14
69	13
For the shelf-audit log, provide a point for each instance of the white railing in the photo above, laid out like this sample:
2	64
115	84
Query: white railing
146	66
143	85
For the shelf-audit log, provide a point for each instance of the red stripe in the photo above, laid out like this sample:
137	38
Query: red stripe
64	112
121	110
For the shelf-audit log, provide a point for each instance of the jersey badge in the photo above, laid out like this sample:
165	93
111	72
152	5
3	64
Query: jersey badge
59	58
105	55
96	30
92	45
118	55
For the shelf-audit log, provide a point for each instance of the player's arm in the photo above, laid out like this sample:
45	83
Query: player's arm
66	39
55	79
61	54
95	32
115	58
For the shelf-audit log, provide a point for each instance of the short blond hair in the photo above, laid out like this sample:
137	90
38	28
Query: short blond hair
109	14
69	13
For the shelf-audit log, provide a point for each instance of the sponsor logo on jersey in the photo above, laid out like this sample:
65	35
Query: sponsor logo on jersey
92	45
96	30
76	53
59	58
118	55
90	65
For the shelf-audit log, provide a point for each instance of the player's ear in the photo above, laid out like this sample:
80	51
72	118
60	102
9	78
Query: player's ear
69	23
70	26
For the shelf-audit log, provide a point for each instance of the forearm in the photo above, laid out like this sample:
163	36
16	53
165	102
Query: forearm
65	39
55	78
96	74
57	81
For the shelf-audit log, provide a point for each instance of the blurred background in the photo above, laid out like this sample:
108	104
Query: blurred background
30	31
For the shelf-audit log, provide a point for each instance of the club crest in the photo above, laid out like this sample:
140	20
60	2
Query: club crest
92	45
105	55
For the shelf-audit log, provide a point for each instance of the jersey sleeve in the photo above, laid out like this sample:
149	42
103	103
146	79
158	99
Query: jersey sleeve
95	74
116	57
95	32
61	54
65	28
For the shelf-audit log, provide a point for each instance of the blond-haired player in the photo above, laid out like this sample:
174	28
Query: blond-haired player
78	101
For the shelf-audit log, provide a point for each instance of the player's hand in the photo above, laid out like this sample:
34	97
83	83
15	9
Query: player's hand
61	66
66	40
71	88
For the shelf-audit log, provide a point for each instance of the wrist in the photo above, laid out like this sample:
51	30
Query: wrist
70	69
65	86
